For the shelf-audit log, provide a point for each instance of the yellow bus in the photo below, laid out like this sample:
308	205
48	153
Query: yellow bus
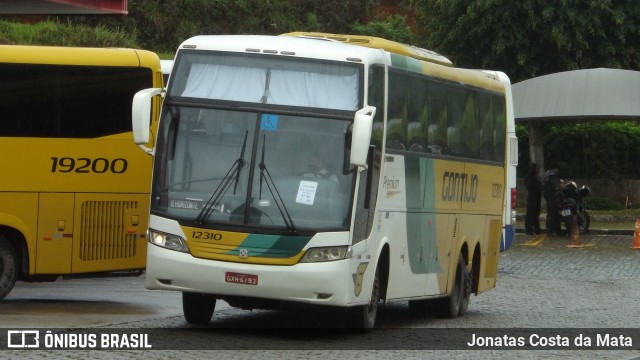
310	169
74	197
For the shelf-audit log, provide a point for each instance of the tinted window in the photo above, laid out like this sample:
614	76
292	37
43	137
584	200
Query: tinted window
429	115
68	101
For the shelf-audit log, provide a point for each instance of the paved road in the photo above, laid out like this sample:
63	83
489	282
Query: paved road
542	284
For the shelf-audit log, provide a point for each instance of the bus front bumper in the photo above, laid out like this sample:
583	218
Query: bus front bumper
326	283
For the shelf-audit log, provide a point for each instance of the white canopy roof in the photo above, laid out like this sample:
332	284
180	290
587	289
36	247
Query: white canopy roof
604	94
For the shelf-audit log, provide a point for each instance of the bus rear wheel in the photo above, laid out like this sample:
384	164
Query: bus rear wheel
8	267
198	308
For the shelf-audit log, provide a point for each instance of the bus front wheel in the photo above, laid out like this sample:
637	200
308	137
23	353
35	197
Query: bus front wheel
364	317
198	308
8	267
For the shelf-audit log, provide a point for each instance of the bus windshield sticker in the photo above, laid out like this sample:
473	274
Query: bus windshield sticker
269	122
306	192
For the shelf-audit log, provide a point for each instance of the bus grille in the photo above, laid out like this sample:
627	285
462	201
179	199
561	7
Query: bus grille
103	233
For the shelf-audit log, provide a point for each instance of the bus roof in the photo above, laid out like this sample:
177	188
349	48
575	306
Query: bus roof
380	43
59	55
377	50
413	58
284	46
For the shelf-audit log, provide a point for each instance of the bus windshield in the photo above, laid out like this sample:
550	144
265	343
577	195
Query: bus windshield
257	169
267	80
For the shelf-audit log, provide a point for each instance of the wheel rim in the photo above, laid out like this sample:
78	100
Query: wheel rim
372	308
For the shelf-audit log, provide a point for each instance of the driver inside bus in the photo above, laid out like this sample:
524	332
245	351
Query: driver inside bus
317	168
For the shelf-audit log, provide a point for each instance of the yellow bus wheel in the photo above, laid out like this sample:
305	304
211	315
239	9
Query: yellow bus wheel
8	267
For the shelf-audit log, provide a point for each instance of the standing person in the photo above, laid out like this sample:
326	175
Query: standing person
551	193
534	196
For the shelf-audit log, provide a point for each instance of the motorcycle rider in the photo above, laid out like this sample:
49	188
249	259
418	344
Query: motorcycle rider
552	194
569	199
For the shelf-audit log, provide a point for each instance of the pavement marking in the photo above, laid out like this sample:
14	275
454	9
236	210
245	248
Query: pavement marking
591	243
536	240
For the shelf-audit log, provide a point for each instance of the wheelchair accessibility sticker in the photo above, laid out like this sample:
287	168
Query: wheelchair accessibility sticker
269	122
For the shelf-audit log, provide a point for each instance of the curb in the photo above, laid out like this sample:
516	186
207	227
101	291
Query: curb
599	231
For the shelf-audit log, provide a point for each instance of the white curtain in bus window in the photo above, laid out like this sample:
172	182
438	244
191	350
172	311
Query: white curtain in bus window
308	89
224	82
281	87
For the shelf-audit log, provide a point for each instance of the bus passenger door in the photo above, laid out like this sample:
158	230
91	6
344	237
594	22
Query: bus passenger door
55	231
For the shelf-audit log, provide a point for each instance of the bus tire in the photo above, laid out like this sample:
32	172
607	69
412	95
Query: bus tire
8	267
198	308
466	289
364	317
457	303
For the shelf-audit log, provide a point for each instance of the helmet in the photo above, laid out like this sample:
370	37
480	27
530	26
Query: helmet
571	184
584	191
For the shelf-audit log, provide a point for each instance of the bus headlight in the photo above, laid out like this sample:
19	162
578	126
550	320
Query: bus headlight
331	253
168	241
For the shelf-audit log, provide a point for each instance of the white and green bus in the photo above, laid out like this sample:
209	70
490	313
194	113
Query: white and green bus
304	169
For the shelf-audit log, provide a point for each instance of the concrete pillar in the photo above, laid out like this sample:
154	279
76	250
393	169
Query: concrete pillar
536	149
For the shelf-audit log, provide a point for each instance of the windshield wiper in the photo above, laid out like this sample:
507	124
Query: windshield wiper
271	185
232	175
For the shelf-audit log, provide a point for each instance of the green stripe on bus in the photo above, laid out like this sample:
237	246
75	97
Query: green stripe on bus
272	246
421	219
406	63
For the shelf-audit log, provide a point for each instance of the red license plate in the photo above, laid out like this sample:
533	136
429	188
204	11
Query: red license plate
238	278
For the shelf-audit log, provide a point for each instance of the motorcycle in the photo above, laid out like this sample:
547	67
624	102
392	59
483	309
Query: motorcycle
573	205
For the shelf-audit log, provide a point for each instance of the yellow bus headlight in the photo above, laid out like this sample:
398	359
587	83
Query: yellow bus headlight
167	241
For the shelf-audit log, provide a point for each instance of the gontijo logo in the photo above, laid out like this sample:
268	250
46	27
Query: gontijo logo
458	186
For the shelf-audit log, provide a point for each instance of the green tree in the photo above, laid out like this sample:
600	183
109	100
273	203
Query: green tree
531	38
392	28
162	25
592	150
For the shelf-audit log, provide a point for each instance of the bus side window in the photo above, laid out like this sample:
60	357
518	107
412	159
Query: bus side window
437	129
455	101
485	113
418	115
470	135
397	116
499	115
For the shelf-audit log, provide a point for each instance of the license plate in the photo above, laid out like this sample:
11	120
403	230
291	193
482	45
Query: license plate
566	212
238	278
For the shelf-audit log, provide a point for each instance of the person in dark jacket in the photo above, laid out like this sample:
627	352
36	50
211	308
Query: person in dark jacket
552	193
534	197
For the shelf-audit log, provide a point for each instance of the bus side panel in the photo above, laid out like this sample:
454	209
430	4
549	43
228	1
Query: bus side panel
404	230
110	232
483	190
55	233
405	280
489	256
111	165
420	239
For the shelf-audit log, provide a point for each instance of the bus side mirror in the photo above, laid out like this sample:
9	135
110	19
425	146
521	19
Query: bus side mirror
361	135
141	116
